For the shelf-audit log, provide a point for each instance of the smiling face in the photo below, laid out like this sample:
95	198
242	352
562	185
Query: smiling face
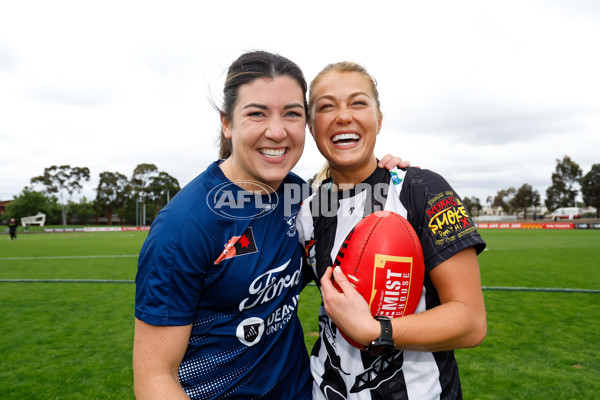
267	131
345	122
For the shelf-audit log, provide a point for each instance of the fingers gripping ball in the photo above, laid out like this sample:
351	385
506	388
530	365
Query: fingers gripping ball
383	259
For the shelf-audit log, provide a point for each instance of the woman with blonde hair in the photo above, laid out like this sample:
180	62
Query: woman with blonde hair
415	360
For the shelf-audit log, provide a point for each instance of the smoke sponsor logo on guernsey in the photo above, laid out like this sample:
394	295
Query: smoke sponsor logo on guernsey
448	218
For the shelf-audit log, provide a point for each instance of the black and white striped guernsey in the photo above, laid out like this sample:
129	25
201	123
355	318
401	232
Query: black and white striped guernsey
444	228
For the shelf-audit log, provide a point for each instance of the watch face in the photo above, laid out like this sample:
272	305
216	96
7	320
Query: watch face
381	349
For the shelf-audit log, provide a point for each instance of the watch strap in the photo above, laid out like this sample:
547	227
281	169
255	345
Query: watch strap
386	329
384	344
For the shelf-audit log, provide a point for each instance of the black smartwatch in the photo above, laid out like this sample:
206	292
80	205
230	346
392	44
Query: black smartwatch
384	344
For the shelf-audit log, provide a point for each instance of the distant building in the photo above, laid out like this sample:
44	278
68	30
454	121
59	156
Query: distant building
537	212
3	205
590	210
487	210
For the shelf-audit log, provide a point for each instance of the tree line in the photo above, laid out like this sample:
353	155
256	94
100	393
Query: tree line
152	188
567	182
148	189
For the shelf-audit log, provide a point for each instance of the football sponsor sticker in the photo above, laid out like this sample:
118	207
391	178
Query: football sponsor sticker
391	289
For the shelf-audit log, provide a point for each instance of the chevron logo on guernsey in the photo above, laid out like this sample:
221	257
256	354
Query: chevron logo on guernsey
238	246
378	372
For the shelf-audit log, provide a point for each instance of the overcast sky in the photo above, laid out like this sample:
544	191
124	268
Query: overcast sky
487	93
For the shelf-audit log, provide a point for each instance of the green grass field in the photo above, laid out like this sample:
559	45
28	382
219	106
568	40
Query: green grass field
65	338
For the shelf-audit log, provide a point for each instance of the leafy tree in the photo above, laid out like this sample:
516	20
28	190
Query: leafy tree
554	198
590	188
130	213
489	201
525	197
152	187
63	180
112	193
473	205
141	181
83	211
563	190
502	199
30	202
162	188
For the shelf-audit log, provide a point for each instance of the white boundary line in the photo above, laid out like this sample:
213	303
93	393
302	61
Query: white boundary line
66	281
530	289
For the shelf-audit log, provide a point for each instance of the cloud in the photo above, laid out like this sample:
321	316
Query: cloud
484	121
9	58
73	95
489	94
181	63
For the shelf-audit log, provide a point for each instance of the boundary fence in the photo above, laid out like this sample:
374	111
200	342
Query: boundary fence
98	229
537	225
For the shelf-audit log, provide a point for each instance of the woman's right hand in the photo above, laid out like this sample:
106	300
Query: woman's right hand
348	309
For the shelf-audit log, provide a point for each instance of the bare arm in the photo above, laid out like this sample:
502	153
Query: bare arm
458	322
157	353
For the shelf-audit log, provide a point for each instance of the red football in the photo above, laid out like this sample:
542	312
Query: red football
382	257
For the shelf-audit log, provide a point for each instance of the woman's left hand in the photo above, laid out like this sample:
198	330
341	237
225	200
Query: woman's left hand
389	161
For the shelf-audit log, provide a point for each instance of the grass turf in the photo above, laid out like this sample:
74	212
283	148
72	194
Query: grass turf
74	340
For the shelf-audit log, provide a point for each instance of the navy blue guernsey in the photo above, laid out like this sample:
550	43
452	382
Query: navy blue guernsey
228	262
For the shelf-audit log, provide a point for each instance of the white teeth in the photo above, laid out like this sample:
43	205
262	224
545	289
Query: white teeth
273	153
345	136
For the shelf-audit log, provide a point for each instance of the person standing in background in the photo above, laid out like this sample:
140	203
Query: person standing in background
12	228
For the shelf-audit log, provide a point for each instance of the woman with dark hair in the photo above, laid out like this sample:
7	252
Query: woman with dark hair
220	273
